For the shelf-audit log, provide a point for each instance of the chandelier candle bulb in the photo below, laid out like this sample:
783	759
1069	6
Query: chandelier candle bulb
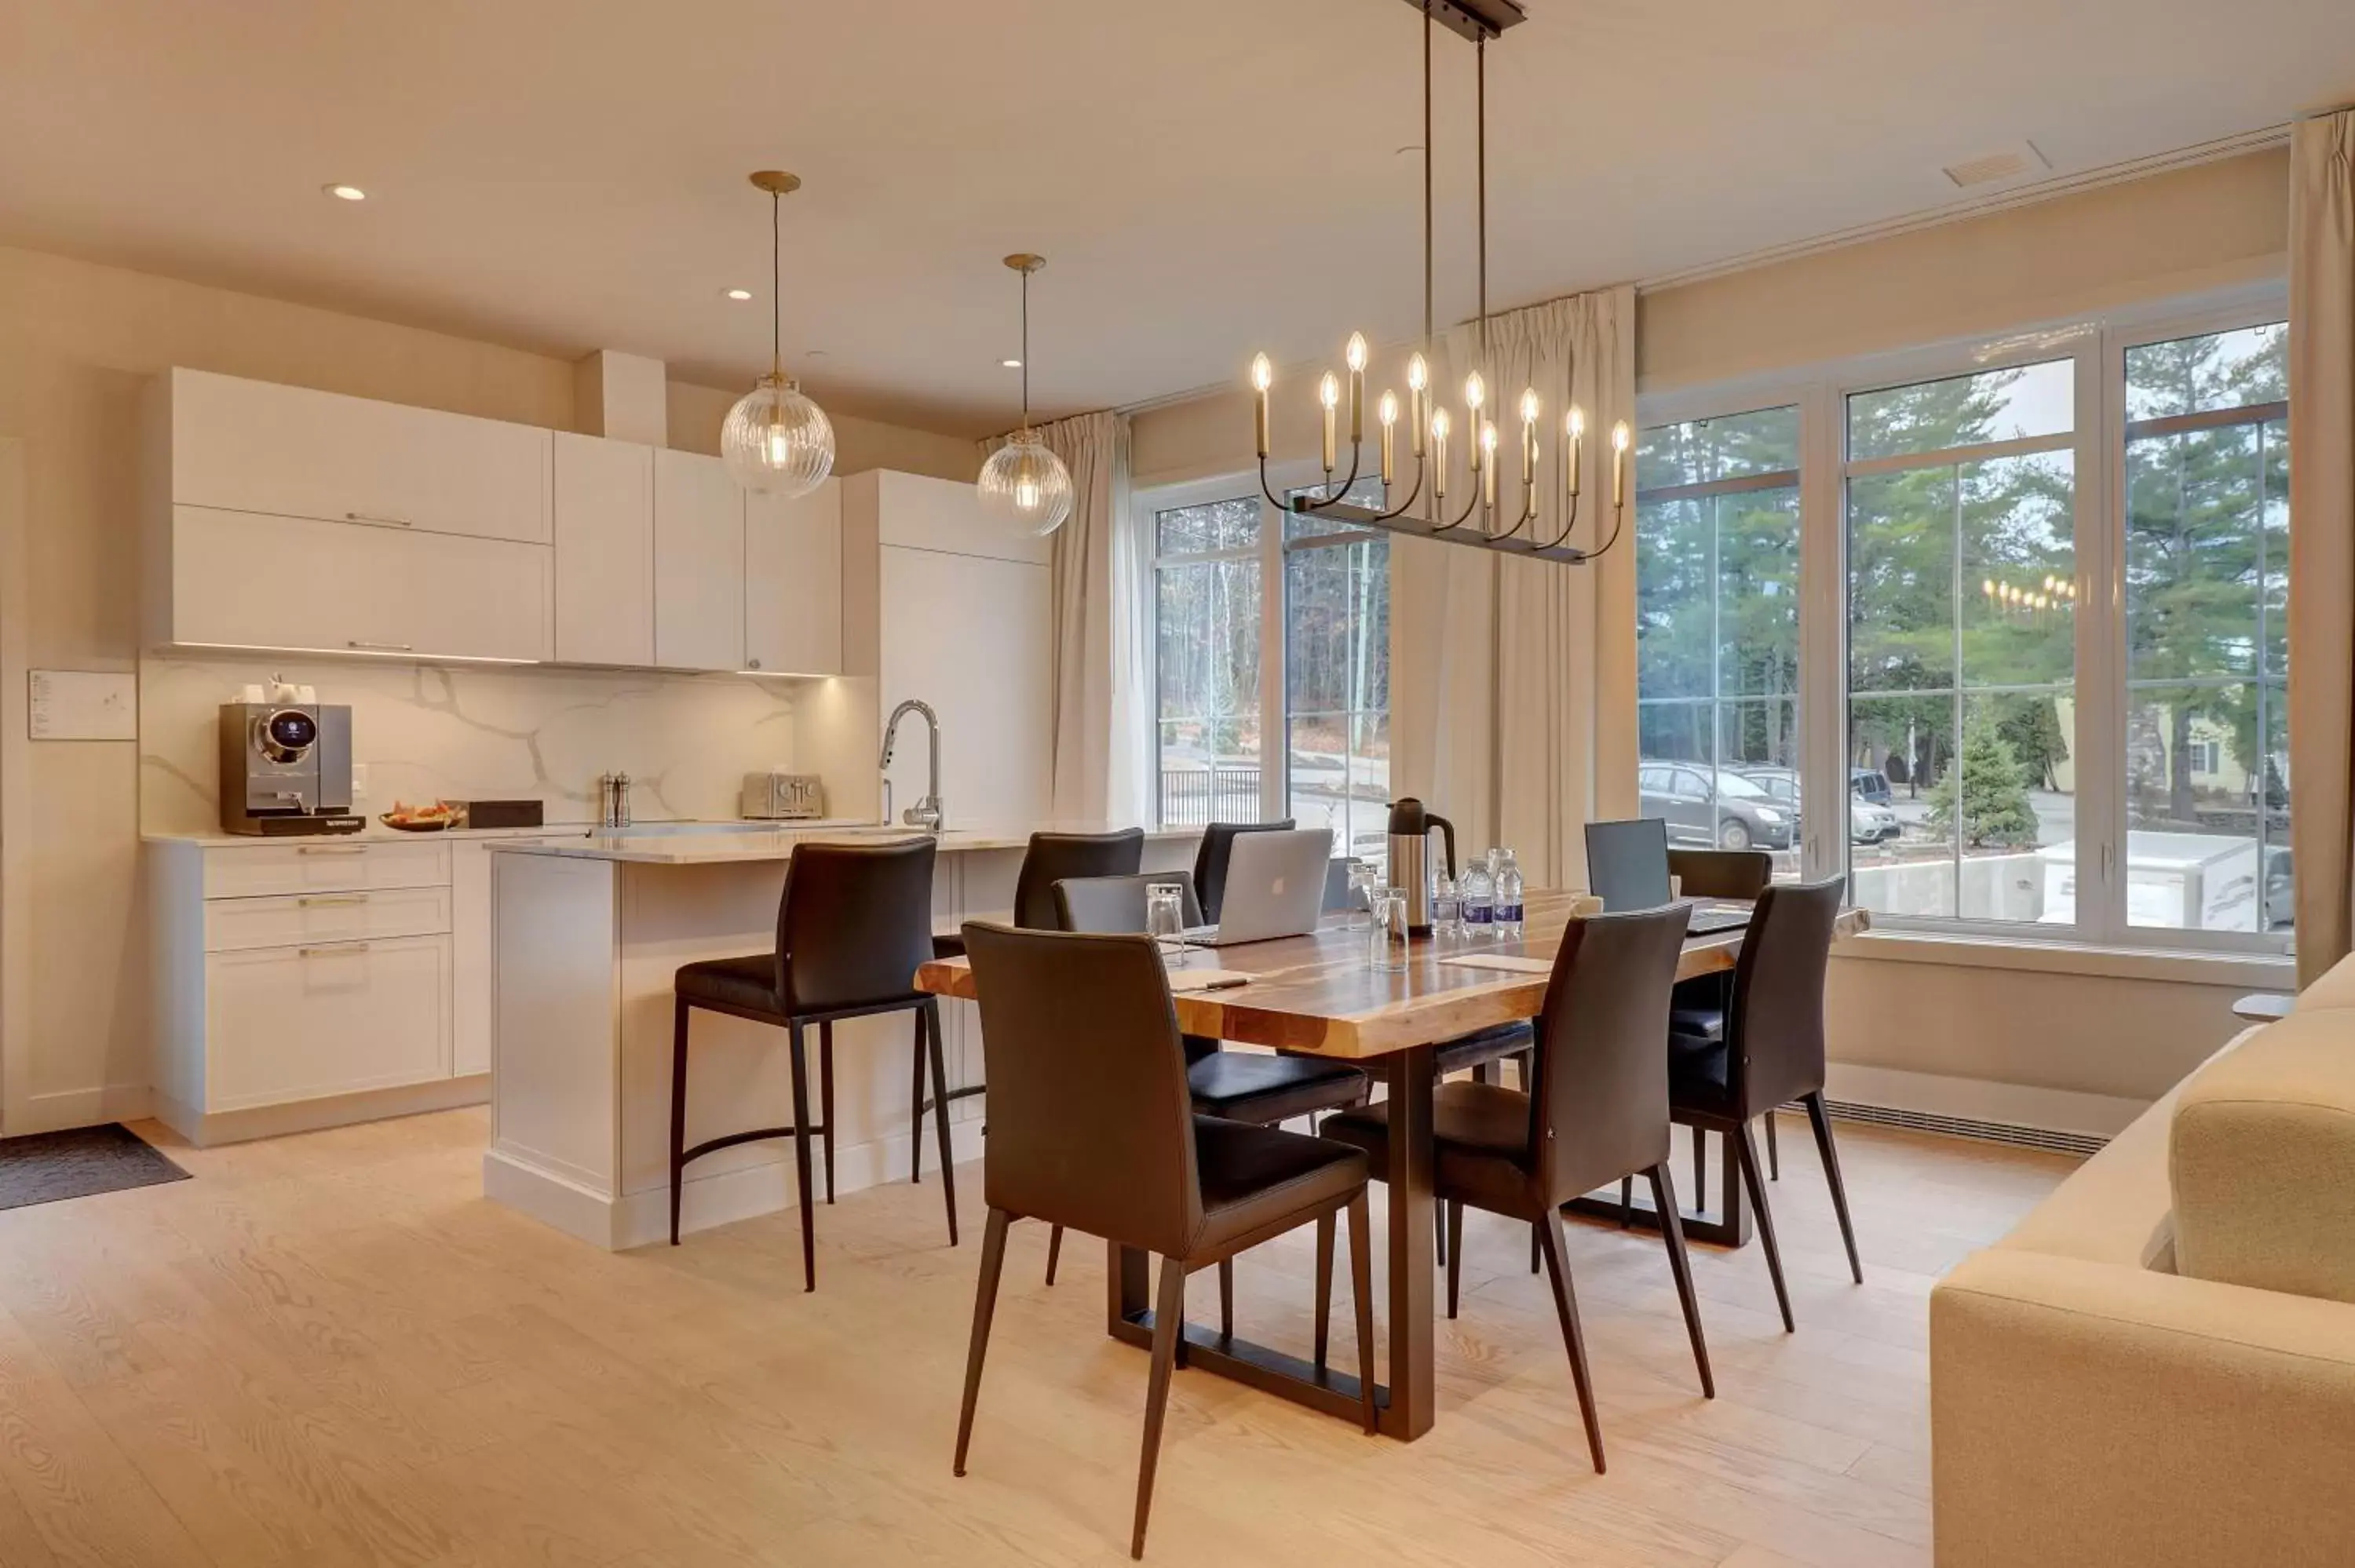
1619	443
1530	410
1356	355
1262	377
1328	392
1439	454
1390	410
1488	465
1573	425
1417	413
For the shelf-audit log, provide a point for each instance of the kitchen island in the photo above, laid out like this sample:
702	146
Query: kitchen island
586	933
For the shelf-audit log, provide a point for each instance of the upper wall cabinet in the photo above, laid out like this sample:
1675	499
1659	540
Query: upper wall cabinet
792	583
252	446
921	513
699	564
604	551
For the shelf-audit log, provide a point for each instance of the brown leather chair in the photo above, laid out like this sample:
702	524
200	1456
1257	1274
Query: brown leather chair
1091	1126
853	927
1218	847
1597	1111
1772	1051
1048	859
1239	1085
1699	1004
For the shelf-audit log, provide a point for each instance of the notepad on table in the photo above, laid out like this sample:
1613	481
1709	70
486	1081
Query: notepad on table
1511	962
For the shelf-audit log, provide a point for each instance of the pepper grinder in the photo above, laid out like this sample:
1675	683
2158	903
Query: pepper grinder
613	799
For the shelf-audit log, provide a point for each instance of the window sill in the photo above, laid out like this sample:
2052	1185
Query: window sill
2182	966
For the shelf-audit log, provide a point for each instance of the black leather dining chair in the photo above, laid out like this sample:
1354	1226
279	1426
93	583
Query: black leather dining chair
1770	1052
1238	1086
854	924
1091	1126
1048	859
1597	1111
1210	858
1699	1004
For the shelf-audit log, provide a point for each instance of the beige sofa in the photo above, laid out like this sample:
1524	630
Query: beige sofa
2158	1367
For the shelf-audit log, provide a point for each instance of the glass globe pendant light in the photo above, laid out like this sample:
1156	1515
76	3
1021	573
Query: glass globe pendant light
776	441
1023	488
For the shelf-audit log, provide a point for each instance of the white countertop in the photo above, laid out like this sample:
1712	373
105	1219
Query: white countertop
761	843
374	833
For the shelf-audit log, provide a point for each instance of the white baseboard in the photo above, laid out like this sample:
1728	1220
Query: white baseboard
742	1193
1976	1099
310	1115
80	1107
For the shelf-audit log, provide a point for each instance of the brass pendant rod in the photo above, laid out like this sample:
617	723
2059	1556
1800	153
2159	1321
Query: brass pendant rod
776	287
1026	348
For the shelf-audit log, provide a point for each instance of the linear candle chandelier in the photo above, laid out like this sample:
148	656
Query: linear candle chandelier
1432	428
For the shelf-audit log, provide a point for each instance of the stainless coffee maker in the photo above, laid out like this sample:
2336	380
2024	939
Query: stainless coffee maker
1410	846
286	768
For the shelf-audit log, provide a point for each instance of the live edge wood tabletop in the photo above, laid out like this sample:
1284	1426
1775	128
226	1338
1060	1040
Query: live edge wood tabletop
1318	995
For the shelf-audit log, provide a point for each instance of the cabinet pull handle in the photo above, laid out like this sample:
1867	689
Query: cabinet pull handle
325	903
381	647
377	520
331	951
329	849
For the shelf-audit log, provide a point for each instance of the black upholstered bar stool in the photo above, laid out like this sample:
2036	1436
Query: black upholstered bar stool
853	927
1048	859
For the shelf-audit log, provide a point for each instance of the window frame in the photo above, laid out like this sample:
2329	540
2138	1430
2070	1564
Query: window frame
2098	344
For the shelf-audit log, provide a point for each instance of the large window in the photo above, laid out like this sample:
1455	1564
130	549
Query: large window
1308	663
2003	624
1717	628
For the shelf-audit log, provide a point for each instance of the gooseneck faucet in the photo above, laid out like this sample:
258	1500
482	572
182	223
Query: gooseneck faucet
925	813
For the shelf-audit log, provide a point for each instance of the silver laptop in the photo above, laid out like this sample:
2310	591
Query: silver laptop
1275	887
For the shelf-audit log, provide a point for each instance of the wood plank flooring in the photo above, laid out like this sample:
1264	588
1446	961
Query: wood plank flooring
328	1349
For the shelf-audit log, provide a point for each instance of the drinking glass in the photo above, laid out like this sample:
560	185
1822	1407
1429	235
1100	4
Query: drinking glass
1387	948
1364	881
1164	917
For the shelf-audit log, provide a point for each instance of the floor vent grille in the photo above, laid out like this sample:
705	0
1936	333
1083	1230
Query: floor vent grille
1971	1126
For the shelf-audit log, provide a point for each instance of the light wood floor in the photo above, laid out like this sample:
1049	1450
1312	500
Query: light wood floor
330	1350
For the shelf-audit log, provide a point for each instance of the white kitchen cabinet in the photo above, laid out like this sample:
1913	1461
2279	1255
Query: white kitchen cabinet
328	864
302	1023
968	635
604	551
298	920
255	446
699	564
792	583
247	579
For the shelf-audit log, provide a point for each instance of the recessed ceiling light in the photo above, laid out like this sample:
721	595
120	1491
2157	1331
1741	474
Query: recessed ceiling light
346	192
737	293
1011	364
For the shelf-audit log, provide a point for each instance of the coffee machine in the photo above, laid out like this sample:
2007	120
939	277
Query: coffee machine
286	769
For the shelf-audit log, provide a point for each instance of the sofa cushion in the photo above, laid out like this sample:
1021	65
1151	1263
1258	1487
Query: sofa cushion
2262	1160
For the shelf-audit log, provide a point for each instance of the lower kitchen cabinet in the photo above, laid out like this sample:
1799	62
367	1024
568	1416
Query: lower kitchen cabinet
329	1018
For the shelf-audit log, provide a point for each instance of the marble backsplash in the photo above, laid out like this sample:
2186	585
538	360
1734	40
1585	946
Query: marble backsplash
481	731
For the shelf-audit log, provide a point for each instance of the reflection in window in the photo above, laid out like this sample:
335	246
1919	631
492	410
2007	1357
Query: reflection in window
1962	594
2207	737
1717	542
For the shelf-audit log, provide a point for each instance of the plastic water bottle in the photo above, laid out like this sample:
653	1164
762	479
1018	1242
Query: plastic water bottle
1507	897
1479	901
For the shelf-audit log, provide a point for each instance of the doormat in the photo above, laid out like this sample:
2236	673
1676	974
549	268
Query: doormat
49	1167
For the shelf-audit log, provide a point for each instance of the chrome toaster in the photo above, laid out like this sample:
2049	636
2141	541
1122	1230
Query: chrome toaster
780	797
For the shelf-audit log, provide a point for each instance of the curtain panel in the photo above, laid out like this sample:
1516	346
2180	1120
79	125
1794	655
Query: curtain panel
1513	681
1097	660
2322	537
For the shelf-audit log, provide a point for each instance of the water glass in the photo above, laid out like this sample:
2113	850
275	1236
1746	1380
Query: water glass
1364	881
1387	948
1164	916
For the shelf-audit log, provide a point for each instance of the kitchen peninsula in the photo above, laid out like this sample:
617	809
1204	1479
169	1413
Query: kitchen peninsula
586	933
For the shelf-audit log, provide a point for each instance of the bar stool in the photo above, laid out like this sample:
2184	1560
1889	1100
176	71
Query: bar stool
854	925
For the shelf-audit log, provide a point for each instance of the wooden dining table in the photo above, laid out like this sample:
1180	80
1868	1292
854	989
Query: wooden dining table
1320	995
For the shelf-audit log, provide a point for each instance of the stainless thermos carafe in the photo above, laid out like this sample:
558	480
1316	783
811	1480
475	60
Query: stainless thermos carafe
1409	843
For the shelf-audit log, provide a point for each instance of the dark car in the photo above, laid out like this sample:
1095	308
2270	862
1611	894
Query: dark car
1708	807
1869	784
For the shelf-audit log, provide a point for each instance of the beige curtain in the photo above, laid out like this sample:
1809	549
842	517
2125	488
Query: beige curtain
1097	660
1513	681
2322	535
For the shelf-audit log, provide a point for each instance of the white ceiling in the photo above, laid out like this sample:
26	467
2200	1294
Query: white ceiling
1206	176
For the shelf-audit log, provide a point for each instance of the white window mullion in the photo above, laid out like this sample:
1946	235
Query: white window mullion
1823	638
2101	740
1275	721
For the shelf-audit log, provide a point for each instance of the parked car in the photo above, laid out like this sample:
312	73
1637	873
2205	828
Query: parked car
1704	806
1871	784
1867	823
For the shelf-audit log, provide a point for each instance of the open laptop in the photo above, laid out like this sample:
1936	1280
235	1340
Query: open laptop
1275	887
1627	868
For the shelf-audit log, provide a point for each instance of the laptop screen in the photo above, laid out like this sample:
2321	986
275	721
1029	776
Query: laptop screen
1627	863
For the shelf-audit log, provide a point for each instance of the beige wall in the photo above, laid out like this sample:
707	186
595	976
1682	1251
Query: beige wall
2178	232
77	341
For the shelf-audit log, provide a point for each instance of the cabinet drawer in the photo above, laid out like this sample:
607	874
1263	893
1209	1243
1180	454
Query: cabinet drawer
254	446
327	865
241	580
233	924
293	1024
